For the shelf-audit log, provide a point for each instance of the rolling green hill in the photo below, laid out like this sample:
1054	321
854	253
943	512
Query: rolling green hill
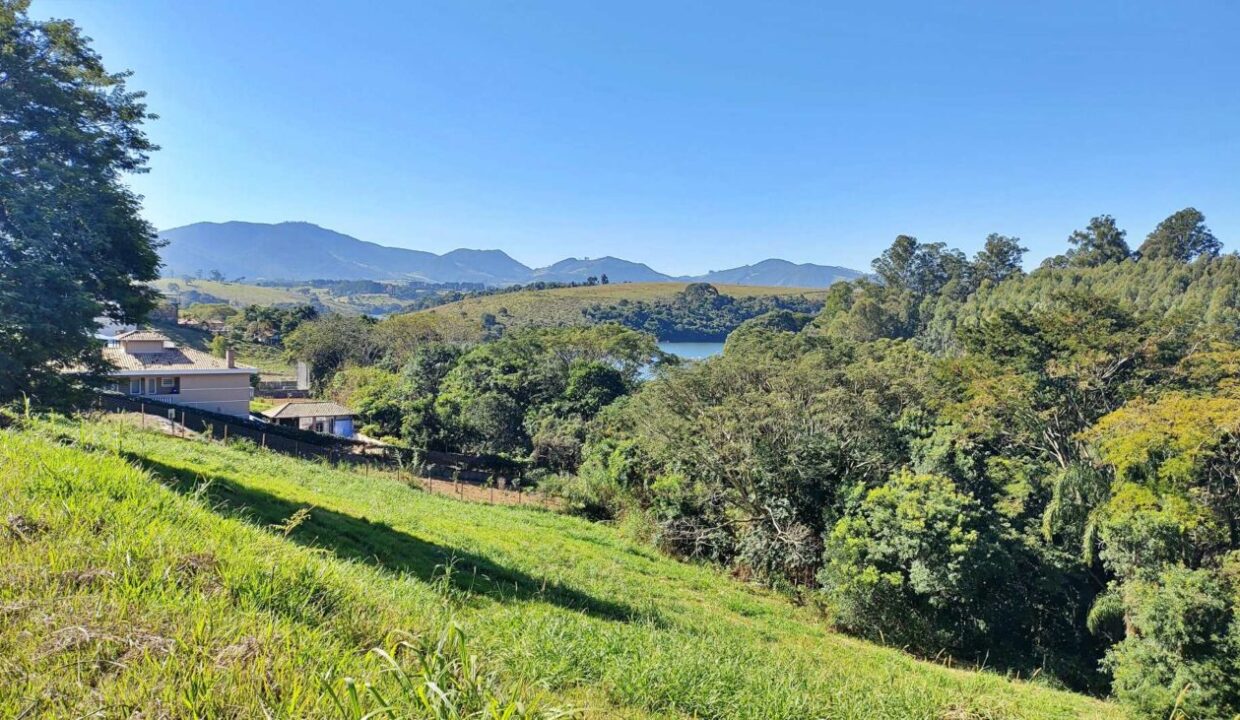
565	306
231	292
142	573
241	294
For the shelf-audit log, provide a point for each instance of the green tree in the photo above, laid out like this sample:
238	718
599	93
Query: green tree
999	259
1100	243
896	267
73	244
592	385
1181	658
1182	236
498	395
915	562
332	342
1181	444
220	345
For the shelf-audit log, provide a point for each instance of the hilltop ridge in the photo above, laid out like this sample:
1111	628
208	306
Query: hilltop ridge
303	251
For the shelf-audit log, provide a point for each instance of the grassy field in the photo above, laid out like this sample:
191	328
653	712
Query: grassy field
235	293
241	294
141	573
564	306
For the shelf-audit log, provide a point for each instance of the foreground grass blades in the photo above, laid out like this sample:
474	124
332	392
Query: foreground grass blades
181	578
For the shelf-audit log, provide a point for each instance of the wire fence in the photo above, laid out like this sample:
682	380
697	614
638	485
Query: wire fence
467	477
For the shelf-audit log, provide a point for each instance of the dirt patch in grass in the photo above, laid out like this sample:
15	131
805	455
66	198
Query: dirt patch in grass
143	645
196	564
83	578
23	529
73	638
201	568
110	649
242	651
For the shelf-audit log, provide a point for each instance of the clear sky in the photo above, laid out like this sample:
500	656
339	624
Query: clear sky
691	136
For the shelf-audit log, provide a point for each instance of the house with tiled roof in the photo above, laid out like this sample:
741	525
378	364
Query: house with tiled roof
316	415
148	364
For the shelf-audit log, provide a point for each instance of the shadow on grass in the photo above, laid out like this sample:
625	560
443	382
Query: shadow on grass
381	545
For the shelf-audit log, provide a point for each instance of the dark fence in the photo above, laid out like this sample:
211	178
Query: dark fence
289	441
280	393
473	469
280	389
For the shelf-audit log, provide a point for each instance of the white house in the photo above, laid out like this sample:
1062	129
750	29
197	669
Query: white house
316	415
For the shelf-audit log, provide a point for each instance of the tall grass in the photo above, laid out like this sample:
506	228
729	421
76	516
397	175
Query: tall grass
180	578
437	678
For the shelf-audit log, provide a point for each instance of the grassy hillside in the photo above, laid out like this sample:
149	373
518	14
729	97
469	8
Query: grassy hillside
236	293
176	578
564	306
241	294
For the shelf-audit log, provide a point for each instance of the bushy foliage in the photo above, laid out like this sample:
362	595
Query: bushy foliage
1036	471
1031	471
1181	654
527	396
917	561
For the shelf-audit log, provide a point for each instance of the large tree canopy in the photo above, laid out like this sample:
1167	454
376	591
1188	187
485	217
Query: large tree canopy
73	245
1100	243
1182	236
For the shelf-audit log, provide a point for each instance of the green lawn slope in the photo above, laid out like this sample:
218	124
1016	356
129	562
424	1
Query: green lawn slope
563	306
143	575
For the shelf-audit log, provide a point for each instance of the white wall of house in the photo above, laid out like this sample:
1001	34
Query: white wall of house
142	346
332	425
227	393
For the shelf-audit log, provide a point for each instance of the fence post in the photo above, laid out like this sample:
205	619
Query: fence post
264	441
142	411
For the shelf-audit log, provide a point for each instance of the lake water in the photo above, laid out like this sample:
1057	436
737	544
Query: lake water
692	350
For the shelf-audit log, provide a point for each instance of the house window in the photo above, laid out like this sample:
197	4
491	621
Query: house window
135	386
169	386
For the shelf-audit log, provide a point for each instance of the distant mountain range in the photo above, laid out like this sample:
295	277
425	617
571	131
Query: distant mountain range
303	251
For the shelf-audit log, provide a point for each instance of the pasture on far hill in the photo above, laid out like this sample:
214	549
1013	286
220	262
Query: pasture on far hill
563	307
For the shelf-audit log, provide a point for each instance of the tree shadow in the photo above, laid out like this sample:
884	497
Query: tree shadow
379	544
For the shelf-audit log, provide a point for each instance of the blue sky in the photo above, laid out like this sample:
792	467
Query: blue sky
691	136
